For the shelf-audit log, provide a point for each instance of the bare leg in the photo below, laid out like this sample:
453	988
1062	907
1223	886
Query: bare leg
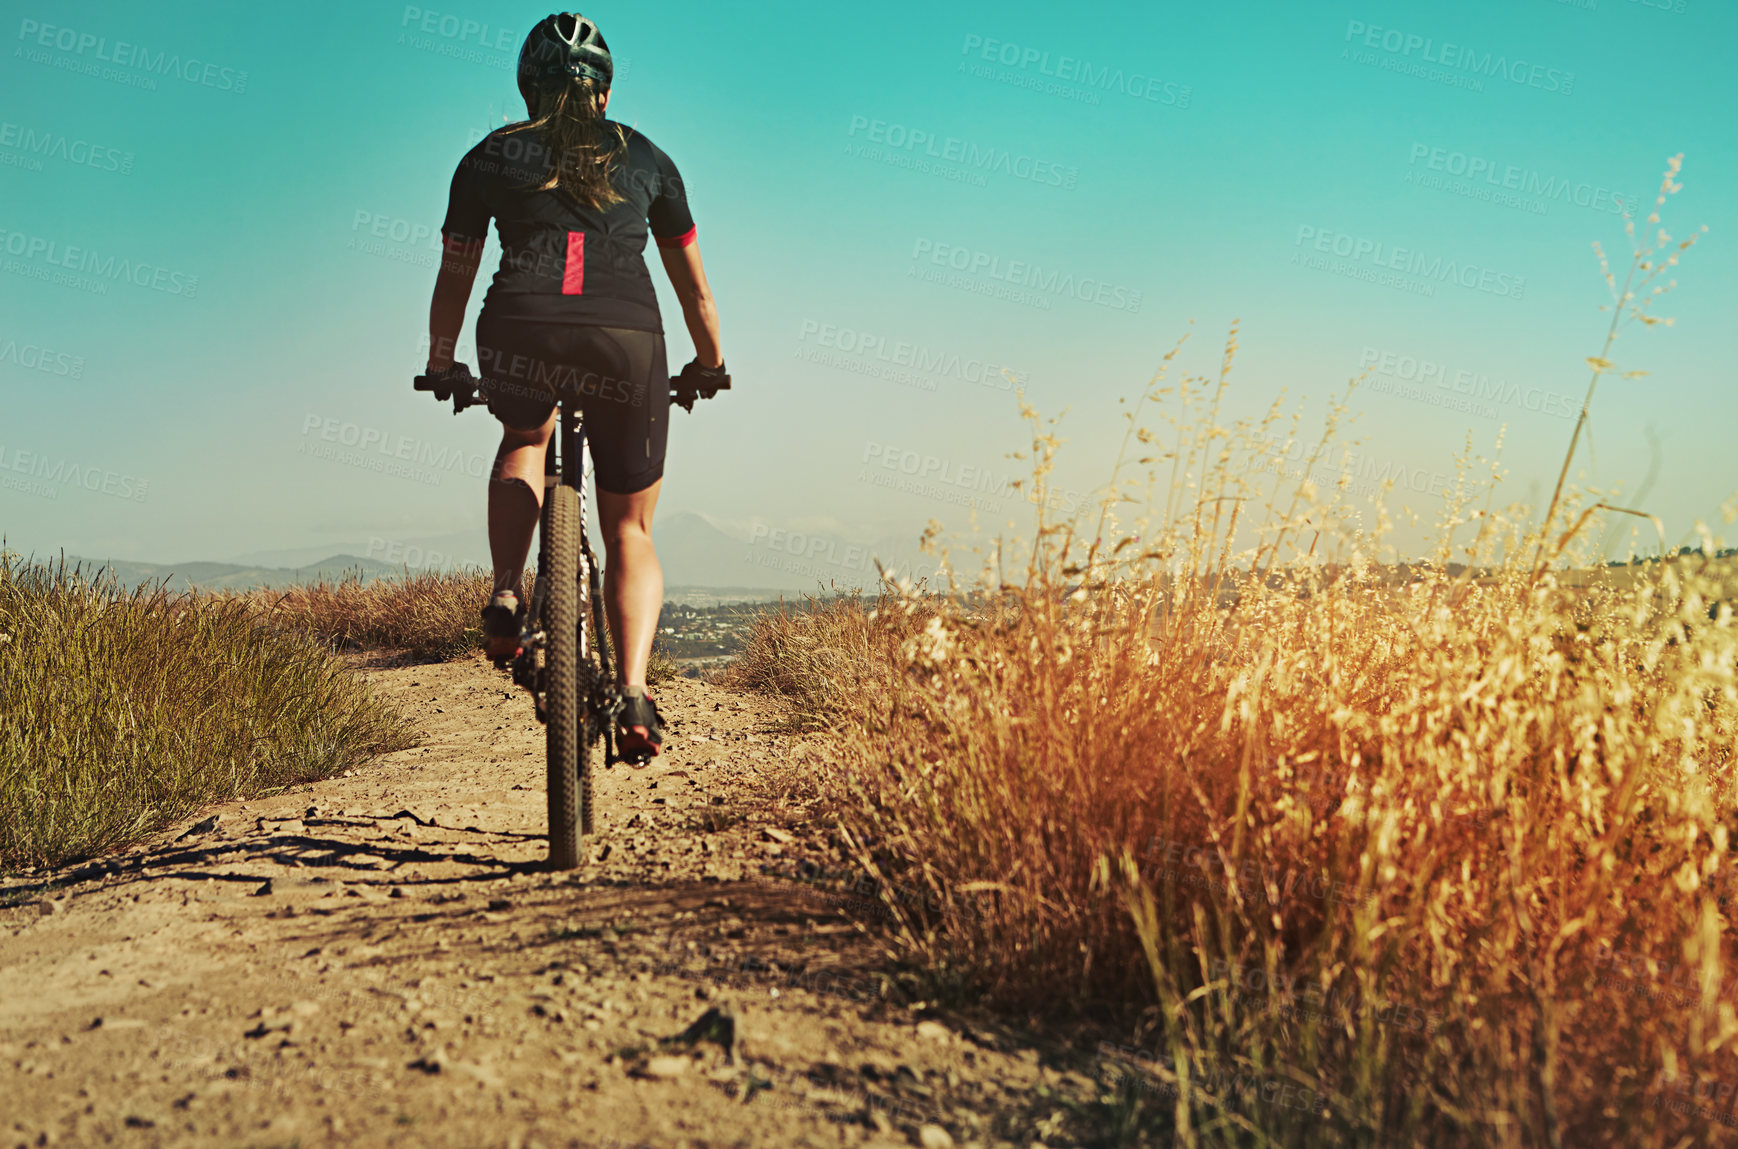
633	585
515	500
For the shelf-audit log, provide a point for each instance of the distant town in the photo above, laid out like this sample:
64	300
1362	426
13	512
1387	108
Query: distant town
704	636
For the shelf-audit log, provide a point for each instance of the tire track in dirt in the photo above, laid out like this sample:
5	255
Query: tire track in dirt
378	960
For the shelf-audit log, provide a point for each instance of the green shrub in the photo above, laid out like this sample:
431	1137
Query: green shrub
122	711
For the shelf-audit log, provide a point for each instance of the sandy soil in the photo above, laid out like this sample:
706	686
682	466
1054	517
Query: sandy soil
379	960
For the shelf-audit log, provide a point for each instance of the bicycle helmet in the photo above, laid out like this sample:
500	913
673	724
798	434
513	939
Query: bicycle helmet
564	46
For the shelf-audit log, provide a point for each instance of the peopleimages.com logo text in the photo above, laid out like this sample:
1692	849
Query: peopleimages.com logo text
982	370
1025	278
971	156
465	31
34	146
382	226
374	449
395	239
409	554
951	481
81	261
51	474
850	556
1071	70
1458	60
94	50
1409	261
35	357
1473	384
1488	177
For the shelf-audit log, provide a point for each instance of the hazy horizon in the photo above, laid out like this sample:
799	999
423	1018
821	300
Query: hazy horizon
217	246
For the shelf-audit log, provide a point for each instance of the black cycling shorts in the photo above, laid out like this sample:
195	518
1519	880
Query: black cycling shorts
619	374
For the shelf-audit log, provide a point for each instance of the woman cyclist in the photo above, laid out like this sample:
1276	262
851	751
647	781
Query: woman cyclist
574	196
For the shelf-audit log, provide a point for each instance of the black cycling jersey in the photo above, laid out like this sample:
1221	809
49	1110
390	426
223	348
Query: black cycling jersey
562	261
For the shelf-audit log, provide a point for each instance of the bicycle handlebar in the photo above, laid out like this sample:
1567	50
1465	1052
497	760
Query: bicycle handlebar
697	382
455	383
465	390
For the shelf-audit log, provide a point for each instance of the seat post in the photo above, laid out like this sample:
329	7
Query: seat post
571	463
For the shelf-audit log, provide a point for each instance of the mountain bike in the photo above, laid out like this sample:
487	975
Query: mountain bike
565	659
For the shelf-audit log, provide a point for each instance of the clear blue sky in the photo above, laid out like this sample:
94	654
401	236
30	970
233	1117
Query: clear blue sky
259	148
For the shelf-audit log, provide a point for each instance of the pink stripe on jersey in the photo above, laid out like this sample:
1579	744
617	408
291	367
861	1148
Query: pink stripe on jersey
573	274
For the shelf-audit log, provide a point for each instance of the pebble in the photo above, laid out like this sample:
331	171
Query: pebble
667	1068
934	1137
205	826
432	1062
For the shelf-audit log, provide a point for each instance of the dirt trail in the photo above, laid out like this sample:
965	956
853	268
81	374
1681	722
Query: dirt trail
377	960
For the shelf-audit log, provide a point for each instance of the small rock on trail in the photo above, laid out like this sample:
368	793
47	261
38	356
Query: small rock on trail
203	826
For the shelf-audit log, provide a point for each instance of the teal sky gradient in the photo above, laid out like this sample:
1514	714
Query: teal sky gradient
350	112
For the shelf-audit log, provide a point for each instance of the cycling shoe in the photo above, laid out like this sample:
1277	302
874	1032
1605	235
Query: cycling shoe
642	731
503	623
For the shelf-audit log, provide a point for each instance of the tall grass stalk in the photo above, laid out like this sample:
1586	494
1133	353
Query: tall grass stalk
1649	264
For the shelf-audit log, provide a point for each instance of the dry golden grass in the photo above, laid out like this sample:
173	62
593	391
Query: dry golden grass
815	658
1385	844
429	615
1340	857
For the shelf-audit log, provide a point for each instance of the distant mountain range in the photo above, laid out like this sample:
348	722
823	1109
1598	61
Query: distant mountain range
696	556
233	576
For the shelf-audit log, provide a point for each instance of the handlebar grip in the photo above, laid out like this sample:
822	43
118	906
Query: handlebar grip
699	381
456	384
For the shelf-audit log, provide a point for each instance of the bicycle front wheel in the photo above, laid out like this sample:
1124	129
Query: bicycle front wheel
559	563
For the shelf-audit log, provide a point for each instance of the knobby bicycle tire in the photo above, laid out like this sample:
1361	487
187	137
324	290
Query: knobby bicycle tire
562	697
